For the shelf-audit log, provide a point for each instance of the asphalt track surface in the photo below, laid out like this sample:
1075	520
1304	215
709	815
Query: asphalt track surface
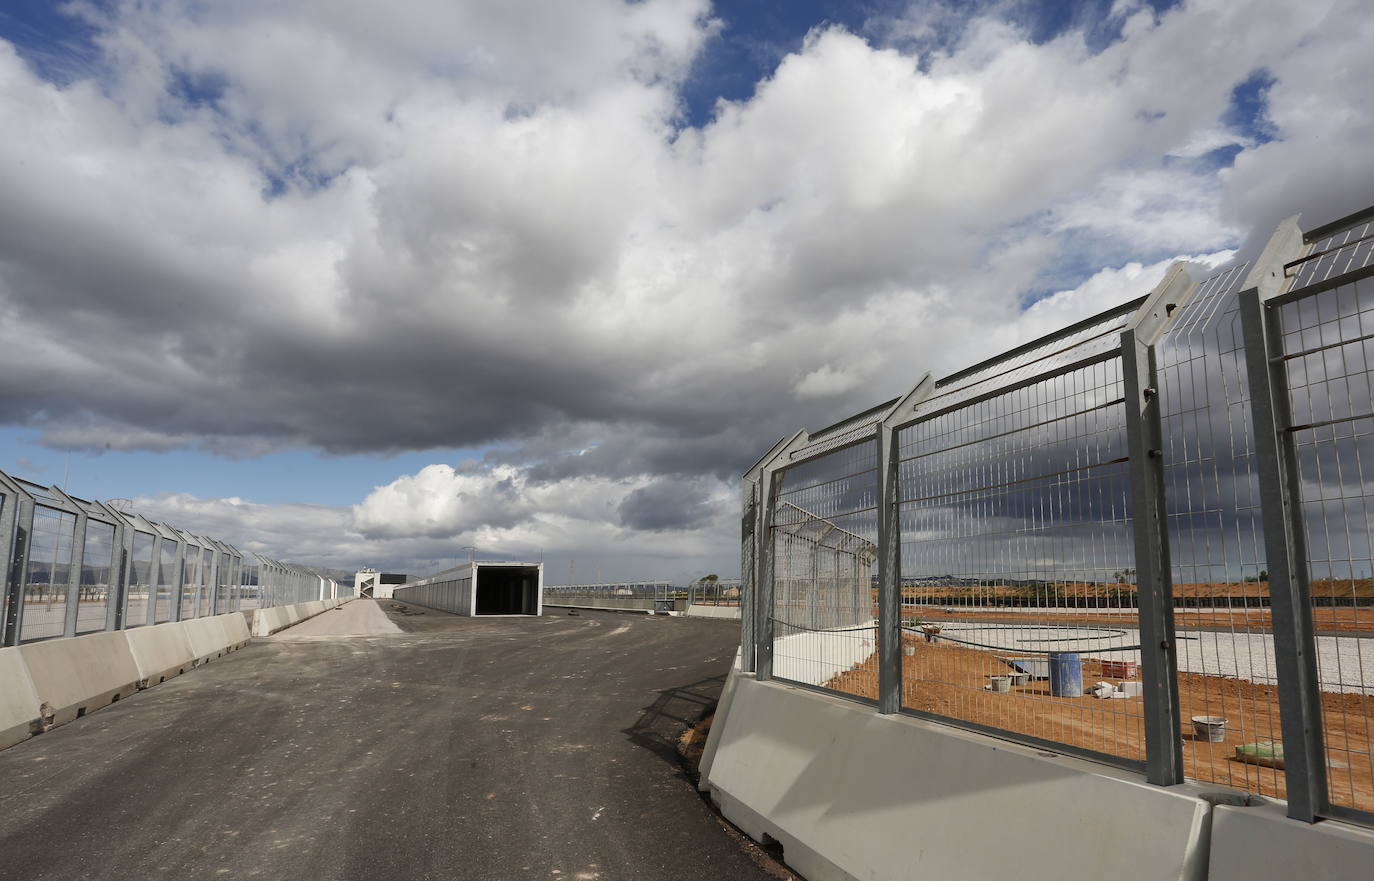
497	748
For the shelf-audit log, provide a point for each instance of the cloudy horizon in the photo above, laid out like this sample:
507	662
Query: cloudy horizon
352	286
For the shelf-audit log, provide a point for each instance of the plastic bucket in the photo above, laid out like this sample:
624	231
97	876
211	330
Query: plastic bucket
1020	678
1000	684
1210	728
1066	674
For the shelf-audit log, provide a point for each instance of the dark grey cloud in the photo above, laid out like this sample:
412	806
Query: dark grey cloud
667	504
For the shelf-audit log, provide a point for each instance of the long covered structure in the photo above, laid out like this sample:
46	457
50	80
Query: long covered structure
480	588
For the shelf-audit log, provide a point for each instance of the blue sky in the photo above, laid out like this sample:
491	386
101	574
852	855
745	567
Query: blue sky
307	253
287	476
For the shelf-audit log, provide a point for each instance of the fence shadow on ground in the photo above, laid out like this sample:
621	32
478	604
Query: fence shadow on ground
674	710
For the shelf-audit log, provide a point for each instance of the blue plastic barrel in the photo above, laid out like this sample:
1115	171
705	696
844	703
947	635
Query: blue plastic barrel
1066	674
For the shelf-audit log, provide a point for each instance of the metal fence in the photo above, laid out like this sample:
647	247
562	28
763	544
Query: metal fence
1145	539
70	566
640	590
714	592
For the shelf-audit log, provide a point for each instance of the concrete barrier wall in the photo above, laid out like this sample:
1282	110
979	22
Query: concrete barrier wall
696	611
1260	842
76	675
207	637
19	712
160	652
270	620
236	629
814	657
851	794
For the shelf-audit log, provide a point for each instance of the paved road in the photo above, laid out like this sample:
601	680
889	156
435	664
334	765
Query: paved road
460	749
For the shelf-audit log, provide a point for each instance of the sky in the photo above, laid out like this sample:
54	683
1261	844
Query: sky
364	284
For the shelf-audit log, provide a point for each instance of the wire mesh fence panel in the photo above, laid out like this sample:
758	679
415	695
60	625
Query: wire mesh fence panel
1018	594
823	533
1346	250
51	550
140	579
97	567
168	574
1328	359
1227	680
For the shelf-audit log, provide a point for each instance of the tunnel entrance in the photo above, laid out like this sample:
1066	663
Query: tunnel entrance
507	590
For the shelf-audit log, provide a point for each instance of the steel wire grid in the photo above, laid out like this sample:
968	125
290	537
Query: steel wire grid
51	549
75	566
1339	253
1328	358
1015	520
658	590
140	579
1226	663
823	533
1009	491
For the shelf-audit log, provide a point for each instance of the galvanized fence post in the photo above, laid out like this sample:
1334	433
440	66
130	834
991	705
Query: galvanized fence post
19	556
890	654
1295	653
763	579
889	576
1149	524
1154	584
78	561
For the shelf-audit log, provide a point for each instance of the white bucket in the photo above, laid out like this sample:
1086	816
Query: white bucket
1000	684
1210	728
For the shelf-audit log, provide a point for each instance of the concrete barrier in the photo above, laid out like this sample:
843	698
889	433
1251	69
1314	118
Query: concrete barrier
850	794
207	637
268	621
76	675
697	611
236	632
814	656
1260	842
160	652
708	752
19	705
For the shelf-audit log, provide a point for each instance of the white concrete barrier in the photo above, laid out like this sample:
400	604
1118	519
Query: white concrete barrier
815	656
76	675
697	611
268	621
236	632
160	652
708	752
19	712
1260	842
207	637
852	794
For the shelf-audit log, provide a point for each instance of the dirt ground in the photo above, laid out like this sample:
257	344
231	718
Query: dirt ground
949	680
